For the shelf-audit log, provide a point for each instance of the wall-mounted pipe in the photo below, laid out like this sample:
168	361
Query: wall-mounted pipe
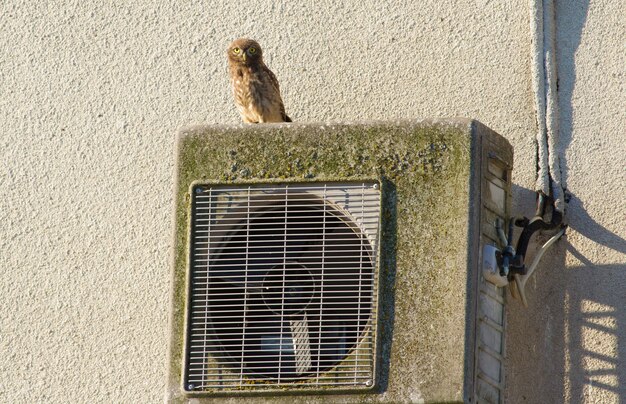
544	78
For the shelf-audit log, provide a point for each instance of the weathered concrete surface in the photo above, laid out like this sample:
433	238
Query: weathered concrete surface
93	93
428	170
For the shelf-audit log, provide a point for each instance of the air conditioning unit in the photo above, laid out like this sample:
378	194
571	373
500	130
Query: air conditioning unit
338	262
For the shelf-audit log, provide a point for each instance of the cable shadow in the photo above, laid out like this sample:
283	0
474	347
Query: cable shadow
594	332
584	224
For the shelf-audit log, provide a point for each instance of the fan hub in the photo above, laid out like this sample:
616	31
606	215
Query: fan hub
288	288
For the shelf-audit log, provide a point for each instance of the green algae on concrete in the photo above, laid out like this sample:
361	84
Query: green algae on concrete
428	196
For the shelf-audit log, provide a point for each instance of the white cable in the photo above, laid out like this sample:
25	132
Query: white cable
539	91
544	78
520	280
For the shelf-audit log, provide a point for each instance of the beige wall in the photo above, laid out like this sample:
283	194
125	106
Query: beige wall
571	344
93	94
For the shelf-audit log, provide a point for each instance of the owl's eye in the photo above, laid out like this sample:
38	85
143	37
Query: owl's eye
252	51
236	51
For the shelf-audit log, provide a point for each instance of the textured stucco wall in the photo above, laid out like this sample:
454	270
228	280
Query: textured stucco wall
92	94
571	344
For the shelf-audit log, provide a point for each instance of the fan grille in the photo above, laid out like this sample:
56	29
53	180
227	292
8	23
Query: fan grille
283	286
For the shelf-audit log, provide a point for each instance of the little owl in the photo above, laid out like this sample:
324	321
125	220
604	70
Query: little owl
255	87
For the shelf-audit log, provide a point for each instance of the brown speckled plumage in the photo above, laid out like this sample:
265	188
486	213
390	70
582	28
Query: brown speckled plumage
255	87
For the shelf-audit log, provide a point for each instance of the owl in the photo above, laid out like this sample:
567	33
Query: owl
255	87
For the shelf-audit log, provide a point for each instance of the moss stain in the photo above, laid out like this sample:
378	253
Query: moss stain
428	166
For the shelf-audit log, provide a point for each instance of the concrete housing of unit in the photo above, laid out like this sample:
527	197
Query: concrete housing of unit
436	329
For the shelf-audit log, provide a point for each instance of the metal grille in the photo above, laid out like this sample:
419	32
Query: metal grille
283	283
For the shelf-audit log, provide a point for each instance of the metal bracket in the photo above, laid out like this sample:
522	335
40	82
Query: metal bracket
511	263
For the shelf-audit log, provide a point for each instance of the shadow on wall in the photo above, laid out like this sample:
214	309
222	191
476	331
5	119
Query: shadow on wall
534	339
595	336
584	224
595	319
571	18
594	329
570	343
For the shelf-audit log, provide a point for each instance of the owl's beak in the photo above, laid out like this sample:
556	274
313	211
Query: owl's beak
243	55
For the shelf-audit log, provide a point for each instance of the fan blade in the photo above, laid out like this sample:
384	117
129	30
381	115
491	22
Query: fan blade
301	344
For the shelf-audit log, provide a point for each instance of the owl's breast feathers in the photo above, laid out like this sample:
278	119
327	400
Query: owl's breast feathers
257	94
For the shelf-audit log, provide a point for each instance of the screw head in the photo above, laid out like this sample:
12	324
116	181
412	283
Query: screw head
191	386
199	190
368	383
375	186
